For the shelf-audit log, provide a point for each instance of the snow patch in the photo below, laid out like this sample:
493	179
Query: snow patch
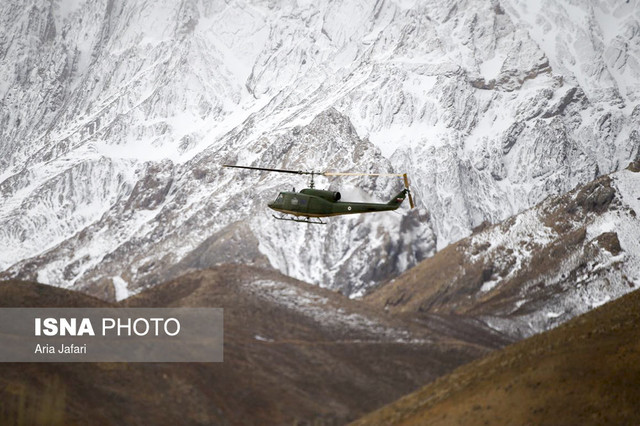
121	288
490	69
489	285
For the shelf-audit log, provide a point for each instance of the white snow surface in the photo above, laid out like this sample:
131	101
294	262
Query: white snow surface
121	288
116	117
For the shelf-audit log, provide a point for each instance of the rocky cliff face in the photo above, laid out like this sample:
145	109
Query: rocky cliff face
117	115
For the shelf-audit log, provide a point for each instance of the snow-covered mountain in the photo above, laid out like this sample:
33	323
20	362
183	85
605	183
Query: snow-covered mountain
116	117
536	270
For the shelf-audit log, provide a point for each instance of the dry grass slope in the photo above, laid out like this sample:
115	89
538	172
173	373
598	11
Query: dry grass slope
586	371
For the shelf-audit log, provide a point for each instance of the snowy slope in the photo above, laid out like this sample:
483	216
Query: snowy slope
116	117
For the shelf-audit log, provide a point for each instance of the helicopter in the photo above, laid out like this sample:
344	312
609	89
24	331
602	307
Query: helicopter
312	204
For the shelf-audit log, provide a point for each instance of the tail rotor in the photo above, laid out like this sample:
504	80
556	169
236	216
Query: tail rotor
406	186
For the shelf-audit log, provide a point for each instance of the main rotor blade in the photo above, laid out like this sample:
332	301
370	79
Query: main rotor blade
303	172
359	174
295	172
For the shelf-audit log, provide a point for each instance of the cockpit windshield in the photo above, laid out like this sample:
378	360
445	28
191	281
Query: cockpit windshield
279	198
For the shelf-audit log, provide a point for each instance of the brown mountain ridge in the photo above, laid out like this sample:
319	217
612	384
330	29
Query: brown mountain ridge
294	354
586	371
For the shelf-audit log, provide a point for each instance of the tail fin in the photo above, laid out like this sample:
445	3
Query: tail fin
398	199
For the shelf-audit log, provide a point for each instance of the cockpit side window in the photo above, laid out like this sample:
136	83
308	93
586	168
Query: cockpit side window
280	198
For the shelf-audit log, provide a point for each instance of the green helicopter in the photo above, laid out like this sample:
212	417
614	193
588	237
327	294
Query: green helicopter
312	204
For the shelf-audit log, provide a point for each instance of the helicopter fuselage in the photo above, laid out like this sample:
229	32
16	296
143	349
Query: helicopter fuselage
320	203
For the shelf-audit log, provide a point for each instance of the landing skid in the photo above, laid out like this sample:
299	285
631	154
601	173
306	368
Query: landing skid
307	220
